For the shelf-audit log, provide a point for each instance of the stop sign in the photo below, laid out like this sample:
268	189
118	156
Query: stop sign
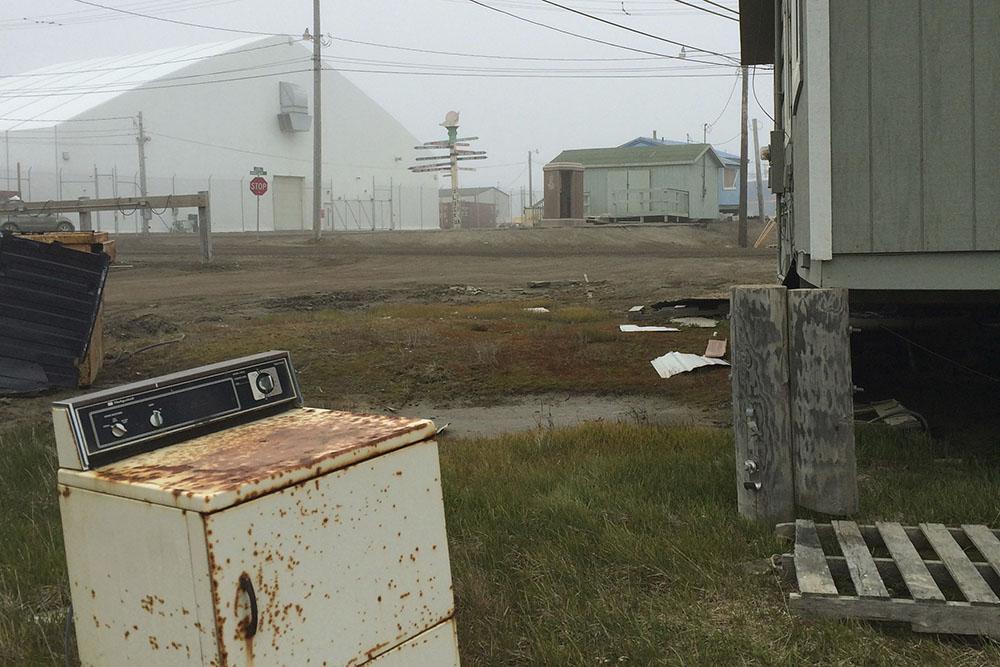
258	185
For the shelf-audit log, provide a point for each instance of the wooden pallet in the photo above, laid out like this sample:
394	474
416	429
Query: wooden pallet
935	578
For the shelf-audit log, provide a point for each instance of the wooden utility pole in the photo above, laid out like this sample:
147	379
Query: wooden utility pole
531	189
141	140
456	216
742	224
317	179
756	164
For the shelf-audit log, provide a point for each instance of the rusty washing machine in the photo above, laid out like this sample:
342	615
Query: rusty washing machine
210	519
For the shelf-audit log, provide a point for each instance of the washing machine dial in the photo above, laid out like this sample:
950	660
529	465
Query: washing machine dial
265	383
156	419
118	429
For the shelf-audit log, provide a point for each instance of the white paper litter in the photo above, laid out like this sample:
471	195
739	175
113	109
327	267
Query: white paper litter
636	309
674	363
700	322
537	310
632	328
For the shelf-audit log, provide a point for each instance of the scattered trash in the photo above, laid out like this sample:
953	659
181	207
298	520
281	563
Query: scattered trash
699	322
716	348
674	363
467	289
443	429
590	292
718	308
537	310
636	309
632	328
891	413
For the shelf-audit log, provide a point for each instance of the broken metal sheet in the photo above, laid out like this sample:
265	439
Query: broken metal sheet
22	377
674	363
716	348
632	328
50	296
700	322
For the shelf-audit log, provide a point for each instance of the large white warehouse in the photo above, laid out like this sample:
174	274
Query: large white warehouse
211	113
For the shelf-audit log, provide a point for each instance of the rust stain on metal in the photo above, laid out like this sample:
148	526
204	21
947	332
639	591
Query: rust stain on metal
258	452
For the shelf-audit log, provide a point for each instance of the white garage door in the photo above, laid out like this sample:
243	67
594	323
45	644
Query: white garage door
288	209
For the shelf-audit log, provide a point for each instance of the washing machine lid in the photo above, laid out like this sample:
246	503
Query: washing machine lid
228	467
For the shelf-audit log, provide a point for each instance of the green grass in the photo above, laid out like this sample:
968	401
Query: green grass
33	589
394	354
601	544
615	543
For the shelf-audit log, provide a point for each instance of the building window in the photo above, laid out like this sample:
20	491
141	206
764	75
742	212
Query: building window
730	178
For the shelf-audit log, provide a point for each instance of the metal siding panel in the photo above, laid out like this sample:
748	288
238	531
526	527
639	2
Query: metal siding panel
986	94
345	567
799	152
896	132
438	647
595	188
132	575
850	117
946	63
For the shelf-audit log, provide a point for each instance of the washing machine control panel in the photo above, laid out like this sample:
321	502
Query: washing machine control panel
114	424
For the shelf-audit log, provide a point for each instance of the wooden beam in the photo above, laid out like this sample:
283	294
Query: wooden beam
105	204
811	569
761	413
822	407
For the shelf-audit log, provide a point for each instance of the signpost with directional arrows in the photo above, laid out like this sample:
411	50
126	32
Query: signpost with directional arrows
458	151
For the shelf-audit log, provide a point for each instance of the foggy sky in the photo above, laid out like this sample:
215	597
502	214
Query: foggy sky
510	115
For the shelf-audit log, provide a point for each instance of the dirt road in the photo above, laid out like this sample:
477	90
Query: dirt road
627	266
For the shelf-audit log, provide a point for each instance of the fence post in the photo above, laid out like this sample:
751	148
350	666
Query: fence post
761	412
85	224
205	226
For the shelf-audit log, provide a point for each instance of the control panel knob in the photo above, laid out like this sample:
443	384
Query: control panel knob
156	419
265	383
118	429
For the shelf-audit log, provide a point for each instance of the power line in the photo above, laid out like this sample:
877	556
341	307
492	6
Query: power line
729	99
636	31
473	68
178	22
126	86
491	56
585	37
140	65
705	9
98	16
716	4
753	86
132	84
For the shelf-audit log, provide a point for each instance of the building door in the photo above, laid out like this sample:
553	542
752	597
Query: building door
288	197
617	192
638	191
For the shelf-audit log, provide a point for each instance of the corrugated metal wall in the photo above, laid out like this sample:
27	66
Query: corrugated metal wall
49	298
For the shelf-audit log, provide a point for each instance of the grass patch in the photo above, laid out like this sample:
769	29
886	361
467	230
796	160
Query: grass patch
394	354
33	588
620	544
601	544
